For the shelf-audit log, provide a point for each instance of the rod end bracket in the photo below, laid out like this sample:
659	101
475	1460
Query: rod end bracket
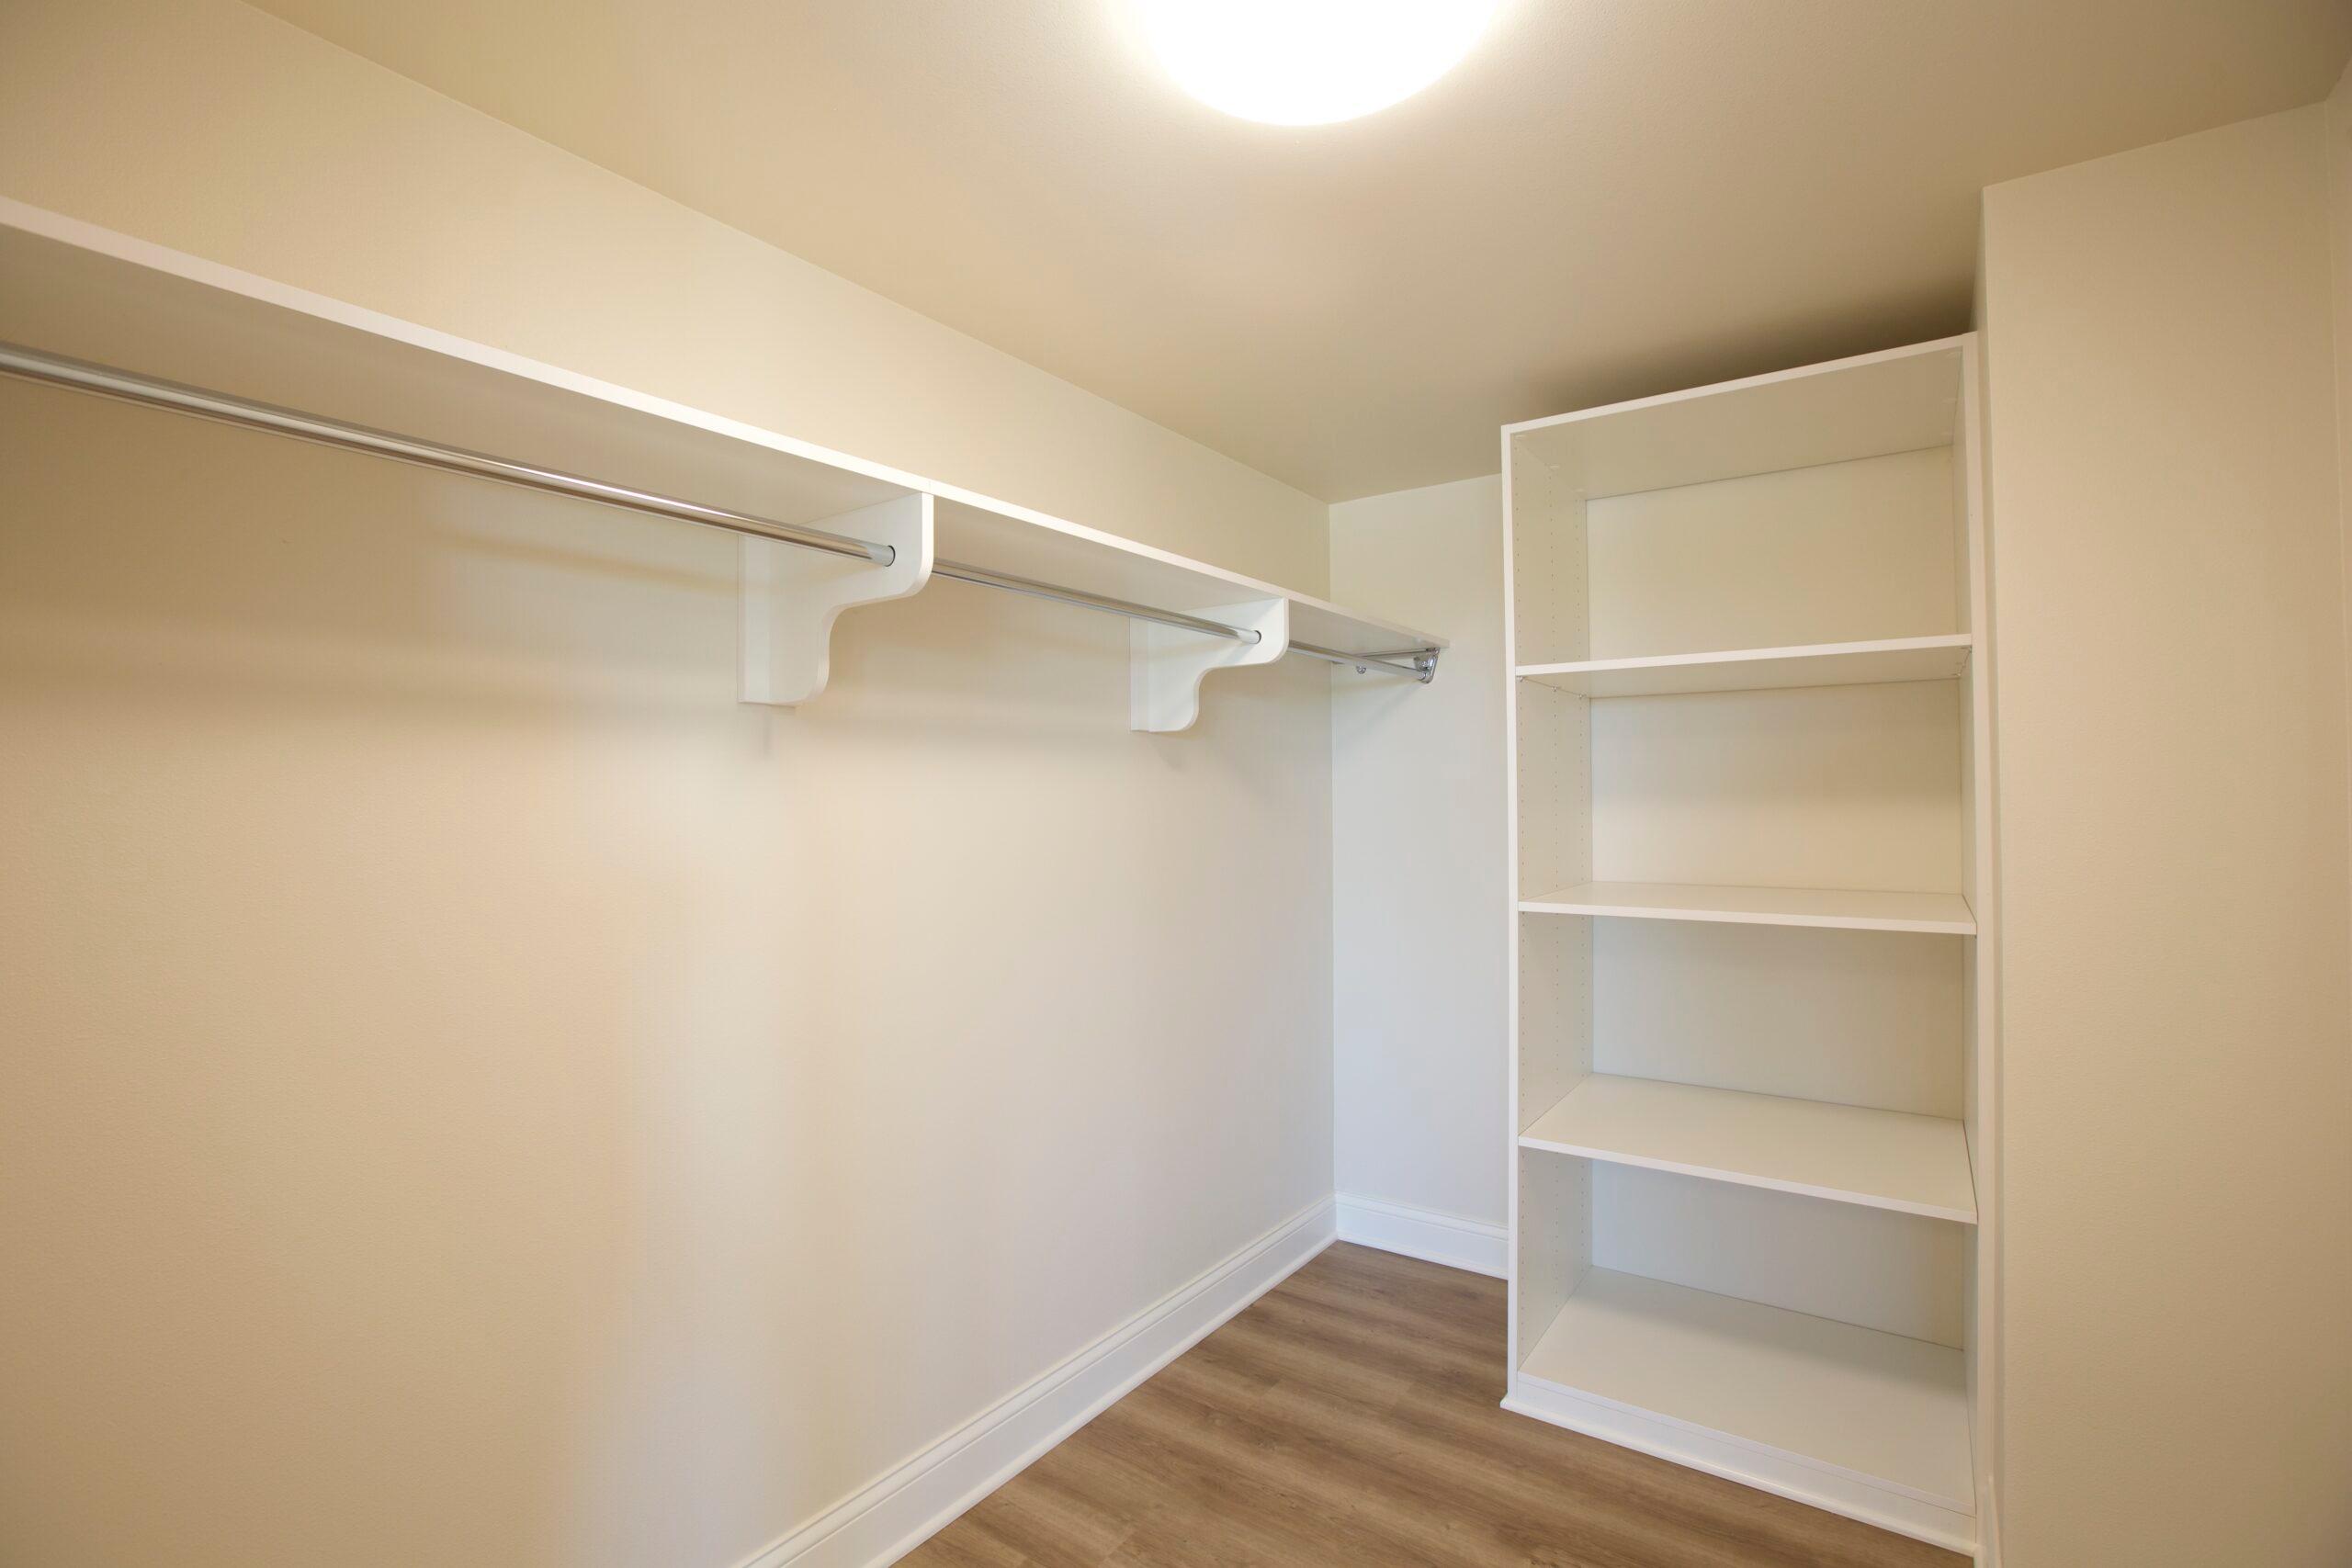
1167	664
793	596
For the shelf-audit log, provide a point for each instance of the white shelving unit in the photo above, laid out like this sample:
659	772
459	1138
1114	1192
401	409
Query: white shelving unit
1750	806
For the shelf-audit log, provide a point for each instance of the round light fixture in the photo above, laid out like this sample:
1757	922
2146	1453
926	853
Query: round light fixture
1308	62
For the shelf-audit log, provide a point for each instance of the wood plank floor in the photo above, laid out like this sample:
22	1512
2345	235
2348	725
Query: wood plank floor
1349	1418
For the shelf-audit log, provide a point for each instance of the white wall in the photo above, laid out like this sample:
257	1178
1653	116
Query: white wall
475	1094
1420	1007
2171	702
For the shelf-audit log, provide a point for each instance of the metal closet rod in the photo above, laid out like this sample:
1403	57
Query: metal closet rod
31	364
56	370
1423	667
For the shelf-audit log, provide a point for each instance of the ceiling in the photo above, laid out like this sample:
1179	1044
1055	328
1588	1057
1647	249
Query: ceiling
1606	198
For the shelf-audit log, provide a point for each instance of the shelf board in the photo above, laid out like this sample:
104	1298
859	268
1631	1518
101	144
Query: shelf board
73	288
1900	400
1884	1159
1761	669
1873	1405
1849	909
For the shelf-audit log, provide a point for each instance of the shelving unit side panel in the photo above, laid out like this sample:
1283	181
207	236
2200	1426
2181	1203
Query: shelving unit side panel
1845	552
1858	1018
1982	1023
1556	991
1513	959
1546	609
1967	615
1974	837
1874	1268
1550	591
1554	1196
1815	787
1555	777
1976	783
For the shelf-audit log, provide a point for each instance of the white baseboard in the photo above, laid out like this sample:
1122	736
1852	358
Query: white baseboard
901	1510
1425	1234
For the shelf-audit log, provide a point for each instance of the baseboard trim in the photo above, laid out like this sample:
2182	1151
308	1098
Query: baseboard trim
901	1510
1426	1234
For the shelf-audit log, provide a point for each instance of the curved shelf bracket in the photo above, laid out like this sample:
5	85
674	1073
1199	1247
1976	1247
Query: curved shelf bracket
1167	664
793	596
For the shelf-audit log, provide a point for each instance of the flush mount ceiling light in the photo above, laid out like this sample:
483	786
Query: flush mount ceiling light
1308	62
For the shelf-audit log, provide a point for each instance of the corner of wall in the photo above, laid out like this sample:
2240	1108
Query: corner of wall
2339	187
1419	1072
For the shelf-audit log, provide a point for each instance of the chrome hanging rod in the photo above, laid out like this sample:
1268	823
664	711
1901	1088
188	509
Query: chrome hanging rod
30	365
1423	667
963	572
56	370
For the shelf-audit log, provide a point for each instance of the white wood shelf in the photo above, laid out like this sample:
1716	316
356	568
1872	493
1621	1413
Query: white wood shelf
71	288
1899	399
1883	1159
1873	1406
1761	669
1849	909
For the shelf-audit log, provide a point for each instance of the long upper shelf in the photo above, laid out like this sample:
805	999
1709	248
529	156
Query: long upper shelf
1882	1159
1761	669
72	289
1848	909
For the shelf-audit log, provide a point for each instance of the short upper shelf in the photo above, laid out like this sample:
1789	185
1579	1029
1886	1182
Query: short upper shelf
1884	1159
1830	1393
1851	909
1901	400
1761	669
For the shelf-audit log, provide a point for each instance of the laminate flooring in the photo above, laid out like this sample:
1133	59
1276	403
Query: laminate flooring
1348	1420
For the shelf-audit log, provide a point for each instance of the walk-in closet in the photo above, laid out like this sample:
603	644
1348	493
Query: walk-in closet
1175	783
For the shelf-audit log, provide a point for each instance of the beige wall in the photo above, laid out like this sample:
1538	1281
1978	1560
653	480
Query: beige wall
473	1093
2178	1034
1419	997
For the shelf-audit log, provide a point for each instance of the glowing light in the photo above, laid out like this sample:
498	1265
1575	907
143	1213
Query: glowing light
1308	62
